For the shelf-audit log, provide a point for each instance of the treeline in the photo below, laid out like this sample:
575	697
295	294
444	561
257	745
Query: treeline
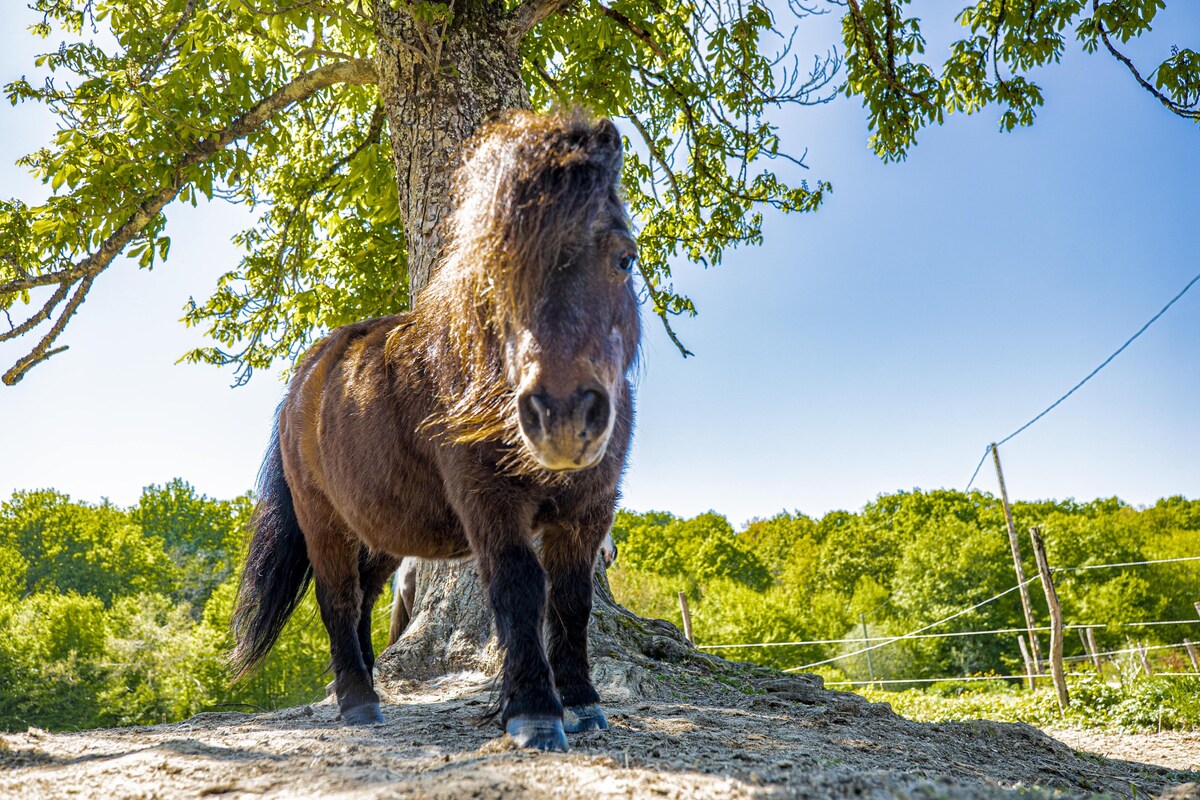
904	561
112	616
119	616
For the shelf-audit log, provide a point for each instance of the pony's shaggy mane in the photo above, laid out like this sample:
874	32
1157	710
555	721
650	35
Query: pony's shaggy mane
529	188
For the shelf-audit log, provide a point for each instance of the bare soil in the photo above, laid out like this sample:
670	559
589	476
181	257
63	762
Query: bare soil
674	734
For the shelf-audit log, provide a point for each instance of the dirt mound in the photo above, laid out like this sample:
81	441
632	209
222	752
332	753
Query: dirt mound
739	732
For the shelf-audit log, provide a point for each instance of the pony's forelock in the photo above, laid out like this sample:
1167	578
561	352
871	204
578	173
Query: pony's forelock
527	185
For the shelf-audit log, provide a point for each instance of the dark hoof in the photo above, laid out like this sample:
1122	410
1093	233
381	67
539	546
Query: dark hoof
540	733
577	719
363	715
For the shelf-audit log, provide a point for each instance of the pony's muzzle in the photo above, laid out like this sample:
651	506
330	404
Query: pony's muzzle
566	433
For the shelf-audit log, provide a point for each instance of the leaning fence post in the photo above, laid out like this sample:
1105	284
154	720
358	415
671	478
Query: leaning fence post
1091	635
1023	586
1141	650
1191	648
1029	670
1089	648
687	618
1056	621
867	648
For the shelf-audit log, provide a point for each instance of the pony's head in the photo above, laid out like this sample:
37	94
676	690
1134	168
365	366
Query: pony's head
535	288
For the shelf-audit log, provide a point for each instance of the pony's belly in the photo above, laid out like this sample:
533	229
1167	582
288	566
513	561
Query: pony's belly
408	531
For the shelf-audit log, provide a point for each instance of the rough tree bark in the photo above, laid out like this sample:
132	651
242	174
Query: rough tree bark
438	83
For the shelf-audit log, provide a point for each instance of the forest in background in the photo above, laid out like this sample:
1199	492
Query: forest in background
906	560
119	616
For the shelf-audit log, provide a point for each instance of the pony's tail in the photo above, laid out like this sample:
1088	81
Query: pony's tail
277	571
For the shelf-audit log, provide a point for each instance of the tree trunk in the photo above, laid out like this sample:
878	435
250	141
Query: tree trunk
437	86
632	658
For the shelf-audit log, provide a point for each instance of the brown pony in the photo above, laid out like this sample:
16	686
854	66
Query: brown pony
497	408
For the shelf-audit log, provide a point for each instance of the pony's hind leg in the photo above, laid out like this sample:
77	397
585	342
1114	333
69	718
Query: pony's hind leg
373	572
403	596
569	555
334	555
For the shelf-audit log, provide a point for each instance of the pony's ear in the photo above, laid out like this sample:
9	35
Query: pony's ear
607	133
608	143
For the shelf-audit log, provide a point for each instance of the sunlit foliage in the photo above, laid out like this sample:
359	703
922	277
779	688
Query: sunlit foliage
906	560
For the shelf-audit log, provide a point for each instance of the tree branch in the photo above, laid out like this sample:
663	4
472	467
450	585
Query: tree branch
660	309
885	69
525	17
43	350
359	71
631	26
36	319
1171	105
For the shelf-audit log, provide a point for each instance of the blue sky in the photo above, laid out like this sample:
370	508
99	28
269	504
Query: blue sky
929	308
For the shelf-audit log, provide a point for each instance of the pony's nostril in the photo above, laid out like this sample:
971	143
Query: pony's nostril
593	413
540	407
535	416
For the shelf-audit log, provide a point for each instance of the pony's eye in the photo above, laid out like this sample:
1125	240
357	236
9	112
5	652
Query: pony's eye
625	262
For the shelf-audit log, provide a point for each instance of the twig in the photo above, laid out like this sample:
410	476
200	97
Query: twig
156	62
660	309
656	155
631	26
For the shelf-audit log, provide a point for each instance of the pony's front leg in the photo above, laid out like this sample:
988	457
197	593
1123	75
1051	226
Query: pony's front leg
529	707
569	557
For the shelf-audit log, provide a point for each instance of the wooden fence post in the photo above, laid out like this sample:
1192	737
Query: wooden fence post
1087	648
1091	635
1056	621
1034	647
1141	649
867	647
1191	648
1029	671
687	618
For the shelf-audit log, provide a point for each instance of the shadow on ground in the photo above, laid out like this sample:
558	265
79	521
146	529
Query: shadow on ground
765	736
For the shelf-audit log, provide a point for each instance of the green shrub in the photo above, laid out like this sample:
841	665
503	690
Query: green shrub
1161	702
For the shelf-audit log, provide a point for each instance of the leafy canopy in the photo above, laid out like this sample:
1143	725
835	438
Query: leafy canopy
274	105
158	102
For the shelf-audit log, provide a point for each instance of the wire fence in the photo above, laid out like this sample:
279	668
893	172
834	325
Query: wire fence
1083	626
1127	564
871	644
912	634
971	678
1032	664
